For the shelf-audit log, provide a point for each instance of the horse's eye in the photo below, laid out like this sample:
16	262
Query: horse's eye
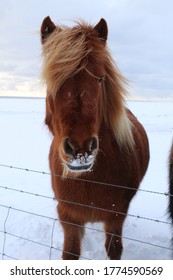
101	79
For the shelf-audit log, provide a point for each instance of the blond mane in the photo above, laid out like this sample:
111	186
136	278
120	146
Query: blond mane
66	52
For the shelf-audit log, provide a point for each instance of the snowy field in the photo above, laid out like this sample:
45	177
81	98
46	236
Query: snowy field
29	222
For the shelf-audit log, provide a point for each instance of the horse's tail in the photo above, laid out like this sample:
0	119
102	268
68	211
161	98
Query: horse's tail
171	183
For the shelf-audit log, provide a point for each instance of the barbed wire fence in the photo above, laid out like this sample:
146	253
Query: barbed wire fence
9	209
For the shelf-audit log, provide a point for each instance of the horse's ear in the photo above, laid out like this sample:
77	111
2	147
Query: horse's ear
102	29
47	28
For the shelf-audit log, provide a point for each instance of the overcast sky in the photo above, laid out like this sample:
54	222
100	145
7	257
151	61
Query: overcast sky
140	39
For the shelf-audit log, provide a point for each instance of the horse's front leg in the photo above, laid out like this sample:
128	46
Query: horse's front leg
113	244
73	233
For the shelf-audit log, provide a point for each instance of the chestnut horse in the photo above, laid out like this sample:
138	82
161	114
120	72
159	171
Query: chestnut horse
99	151
171	182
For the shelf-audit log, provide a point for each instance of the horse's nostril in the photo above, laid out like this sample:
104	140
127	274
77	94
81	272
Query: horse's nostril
68	148
94	144
82	148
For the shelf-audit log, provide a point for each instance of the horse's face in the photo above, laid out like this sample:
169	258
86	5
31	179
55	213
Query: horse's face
74	114
75	119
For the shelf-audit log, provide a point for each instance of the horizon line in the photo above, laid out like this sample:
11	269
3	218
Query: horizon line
126	100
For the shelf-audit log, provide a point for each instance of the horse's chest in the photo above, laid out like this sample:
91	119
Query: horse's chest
89	202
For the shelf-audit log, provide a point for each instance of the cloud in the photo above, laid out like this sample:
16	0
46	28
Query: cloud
140	39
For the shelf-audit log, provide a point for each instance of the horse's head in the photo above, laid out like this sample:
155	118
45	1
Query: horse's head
73	118
74	80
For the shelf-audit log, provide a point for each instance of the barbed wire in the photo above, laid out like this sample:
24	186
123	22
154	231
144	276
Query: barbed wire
54	220
50	247
83	180
87	206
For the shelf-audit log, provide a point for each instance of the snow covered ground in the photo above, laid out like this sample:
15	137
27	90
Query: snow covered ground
24	142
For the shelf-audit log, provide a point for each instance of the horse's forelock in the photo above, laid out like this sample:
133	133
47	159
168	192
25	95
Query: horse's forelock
67	52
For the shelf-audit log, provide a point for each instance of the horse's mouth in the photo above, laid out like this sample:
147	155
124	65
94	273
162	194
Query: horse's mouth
80	168
81	163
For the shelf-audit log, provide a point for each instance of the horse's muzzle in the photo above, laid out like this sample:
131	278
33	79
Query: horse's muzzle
80	156
81	163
